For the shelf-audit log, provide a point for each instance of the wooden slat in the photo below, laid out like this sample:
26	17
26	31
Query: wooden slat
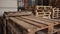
17	13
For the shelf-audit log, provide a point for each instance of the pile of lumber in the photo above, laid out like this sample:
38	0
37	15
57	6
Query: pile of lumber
31	25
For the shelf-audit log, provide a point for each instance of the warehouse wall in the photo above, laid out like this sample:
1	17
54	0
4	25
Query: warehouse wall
7	5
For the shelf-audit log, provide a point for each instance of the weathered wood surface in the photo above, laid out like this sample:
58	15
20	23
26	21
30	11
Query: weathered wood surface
50	22
43	11
58	32
37	20
42	19
28	27
44	7
12	28
4	25
17	13
56	13
32	24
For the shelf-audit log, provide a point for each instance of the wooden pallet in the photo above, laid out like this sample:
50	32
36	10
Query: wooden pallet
31	25
34	23
31	28
13	30
53	23
56	13
43	11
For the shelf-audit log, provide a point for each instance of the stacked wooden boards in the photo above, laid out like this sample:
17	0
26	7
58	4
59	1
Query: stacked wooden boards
31	25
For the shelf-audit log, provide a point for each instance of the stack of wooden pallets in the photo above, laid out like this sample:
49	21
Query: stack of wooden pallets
43	11
31	25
